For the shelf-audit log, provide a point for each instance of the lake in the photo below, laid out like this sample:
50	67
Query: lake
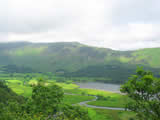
100	86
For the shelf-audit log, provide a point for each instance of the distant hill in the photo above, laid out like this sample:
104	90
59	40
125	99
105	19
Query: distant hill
74	59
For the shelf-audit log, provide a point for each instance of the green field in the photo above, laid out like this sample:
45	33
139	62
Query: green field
116	101
74	99
100	114
18	87
74	95
111	99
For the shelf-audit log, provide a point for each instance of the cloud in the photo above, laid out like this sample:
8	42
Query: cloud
116	24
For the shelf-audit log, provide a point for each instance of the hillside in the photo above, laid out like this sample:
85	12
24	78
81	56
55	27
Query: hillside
8	94
74	59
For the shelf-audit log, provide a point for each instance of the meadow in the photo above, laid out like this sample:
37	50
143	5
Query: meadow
101	114
109	99
74	95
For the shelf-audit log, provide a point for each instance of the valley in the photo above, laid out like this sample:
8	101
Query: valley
79	60
83	80
74	94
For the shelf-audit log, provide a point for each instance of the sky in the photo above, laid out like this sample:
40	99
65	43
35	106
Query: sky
115	24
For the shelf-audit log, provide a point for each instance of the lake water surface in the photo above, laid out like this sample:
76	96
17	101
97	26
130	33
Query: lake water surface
100	86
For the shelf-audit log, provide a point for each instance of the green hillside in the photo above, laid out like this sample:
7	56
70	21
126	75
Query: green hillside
8	94
74	58
150	56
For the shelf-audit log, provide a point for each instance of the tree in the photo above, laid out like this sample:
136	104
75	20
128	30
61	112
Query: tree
74	113
144	91
46	99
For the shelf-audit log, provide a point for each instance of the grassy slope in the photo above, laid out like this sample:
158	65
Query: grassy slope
60	55
150	55
72	56
18	87
7	94
78	60
100	114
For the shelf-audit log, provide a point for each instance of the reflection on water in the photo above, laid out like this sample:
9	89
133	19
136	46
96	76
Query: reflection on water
100	86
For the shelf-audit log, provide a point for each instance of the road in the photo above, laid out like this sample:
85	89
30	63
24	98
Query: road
84	103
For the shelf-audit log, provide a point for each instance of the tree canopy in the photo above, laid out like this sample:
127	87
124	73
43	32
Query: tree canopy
144	91
44	104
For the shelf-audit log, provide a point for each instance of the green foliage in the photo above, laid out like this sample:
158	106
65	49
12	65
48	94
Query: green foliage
143	88
102	114
6	94
148	56
17	69
96	92
46	99
100	97
76	60
45	103
75	113
110	101
109	73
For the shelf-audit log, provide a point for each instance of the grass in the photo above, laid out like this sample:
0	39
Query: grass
114	102
150	55
94	115
14	82
74	99
25	90
67	86
28	50
18	87
91	92
50	82
124	59
112	99
102	114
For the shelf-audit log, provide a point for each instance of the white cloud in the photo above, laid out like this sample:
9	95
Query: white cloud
117	24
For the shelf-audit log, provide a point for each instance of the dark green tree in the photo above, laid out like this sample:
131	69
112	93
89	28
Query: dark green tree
144	91
46	99
44	104
70	112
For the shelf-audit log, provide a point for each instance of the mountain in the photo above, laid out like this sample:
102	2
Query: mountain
74	59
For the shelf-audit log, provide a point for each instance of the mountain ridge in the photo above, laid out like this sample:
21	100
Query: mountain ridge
72	57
